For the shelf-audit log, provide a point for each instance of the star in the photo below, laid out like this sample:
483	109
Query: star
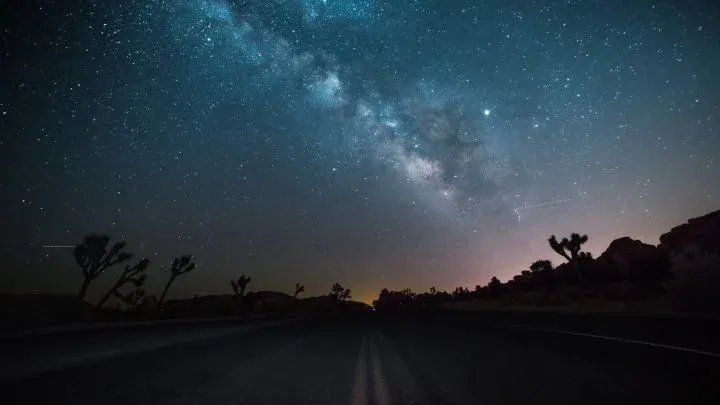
463	130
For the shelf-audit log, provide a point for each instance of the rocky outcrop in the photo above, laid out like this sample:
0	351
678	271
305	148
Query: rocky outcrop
636	260
624	250
700	234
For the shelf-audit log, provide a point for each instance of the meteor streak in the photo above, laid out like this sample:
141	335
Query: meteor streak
524	207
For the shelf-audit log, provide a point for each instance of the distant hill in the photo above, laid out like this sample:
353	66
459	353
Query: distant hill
326	304
31	310
201	306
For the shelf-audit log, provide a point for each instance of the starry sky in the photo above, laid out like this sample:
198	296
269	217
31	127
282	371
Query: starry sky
377	144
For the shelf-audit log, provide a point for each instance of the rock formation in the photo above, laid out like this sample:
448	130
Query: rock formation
635	260
700	234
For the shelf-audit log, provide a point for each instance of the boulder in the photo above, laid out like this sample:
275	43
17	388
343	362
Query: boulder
698	235
624	250
636	260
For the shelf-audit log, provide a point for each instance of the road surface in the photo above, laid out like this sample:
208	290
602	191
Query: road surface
384	362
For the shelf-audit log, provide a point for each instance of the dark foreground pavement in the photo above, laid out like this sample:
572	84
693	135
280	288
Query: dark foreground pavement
384	361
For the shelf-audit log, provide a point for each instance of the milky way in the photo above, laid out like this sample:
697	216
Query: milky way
430	135
379	144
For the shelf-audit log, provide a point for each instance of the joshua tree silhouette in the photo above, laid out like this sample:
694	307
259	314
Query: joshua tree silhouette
94	258
180	266
573	246
240	285
299	289
134	275
340	293
133	298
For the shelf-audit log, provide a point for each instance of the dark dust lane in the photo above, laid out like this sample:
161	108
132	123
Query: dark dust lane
384	362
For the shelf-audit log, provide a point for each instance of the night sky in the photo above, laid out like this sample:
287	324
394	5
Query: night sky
376	144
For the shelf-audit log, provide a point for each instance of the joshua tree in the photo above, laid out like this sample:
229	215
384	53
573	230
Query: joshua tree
433	290
240	285
336	290
299	288
133	298
340	293
94	258
573	246
134	275
180	266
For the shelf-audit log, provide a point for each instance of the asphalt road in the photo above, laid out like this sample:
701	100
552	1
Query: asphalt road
27	355
378	362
